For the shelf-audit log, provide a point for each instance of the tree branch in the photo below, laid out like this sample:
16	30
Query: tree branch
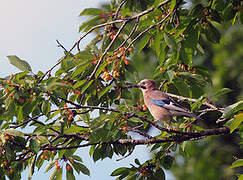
175	138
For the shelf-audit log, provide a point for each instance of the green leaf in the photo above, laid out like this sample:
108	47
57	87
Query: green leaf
100	69
14	132
86	86
235	122
159	174
232	109
192	32
69	173
45	107
56	175
79	83
158	40
171	75
84	169
58	85
222	92
91	11
170	41
103	91
193	78
34	146
143	42
119	171
86	25
215	16
20	64
240	177
182	87
20	116
172	5
32	167
237	163
126	94
229	12
50	166
167	161
212	33
77	158
241	16
80	69
137	162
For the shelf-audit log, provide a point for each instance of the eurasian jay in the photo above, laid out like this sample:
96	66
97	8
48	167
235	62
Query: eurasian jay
161	106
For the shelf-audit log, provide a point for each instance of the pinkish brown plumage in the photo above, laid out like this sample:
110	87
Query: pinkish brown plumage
161	106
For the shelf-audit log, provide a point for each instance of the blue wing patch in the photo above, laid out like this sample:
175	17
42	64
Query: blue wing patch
158	102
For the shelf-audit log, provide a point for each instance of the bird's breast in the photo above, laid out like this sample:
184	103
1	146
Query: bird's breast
159	113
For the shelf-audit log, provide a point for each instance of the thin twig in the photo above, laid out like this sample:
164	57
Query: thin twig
92	29
117	21
145	31
131	33
129	153
181	98
60	45
119	8
106	50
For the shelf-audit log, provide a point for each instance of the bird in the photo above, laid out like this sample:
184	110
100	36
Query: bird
161	106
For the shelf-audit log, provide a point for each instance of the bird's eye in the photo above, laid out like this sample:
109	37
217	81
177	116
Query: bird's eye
143	83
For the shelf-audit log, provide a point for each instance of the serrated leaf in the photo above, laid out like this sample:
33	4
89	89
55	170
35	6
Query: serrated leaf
143	42
79	83
137	162
32	167
69	173
56	175
170	41
84	169
167	161
100	69
172	5
20	64
241	17
235	122
229	12
215	16
45	107
171	75
14	132
80	69
159	174
50	166
157	43
77	158
59	85
237	163
119	171
103	91
34	146
86	25
193	78
91	11
212	33
240	177
222	92
232	109
86	86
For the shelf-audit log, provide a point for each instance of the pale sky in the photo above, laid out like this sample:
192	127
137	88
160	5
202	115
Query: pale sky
29	29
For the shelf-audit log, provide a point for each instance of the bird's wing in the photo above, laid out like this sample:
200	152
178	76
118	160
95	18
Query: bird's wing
163	100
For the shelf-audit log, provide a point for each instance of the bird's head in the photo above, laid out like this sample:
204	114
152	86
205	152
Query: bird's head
146	84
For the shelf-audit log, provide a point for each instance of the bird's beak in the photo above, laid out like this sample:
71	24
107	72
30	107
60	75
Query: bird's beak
135	86
140	86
